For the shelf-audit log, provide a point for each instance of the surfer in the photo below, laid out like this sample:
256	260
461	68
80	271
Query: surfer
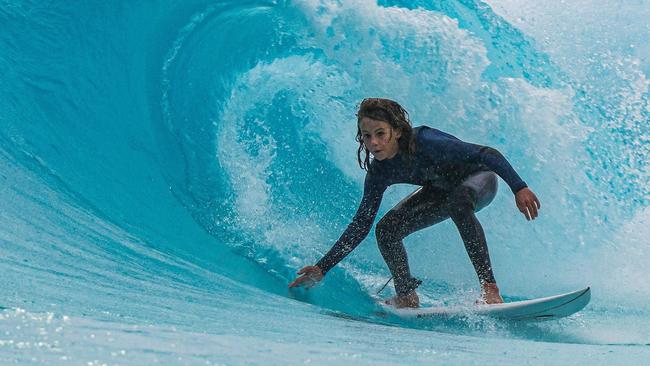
457	179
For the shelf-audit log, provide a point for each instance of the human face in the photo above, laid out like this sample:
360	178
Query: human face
379	138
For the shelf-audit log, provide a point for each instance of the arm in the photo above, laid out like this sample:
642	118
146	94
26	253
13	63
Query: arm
450	148
443	147
495	161
356	231
525	199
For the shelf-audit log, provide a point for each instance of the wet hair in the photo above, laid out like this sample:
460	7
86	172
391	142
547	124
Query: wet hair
388	111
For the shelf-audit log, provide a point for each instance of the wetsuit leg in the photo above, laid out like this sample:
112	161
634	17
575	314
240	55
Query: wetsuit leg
422	208
476	192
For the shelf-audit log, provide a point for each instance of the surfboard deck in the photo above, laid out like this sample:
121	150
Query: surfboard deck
546	308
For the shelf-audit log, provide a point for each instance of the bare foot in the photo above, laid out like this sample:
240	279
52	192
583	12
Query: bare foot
490	294
410	300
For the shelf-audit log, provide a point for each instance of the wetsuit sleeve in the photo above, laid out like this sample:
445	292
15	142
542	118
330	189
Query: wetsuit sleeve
359	228
449	149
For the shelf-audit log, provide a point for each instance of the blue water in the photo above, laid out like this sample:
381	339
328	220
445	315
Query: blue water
166	167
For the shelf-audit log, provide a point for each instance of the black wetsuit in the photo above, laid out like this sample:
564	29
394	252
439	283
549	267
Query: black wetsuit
457	179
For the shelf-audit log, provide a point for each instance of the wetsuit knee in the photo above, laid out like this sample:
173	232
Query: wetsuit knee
386	231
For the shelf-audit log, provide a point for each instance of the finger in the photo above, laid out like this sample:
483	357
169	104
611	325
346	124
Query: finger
297	282
533	210
302	270
539	205
525	212
534	205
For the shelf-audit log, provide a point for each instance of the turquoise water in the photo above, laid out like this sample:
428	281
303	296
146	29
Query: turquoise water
167	166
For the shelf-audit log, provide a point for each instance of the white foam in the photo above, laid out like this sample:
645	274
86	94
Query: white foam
311	90
418	57
619	270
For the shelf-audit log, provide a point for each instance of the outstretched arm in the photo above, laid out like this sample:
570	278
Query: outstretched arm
356	231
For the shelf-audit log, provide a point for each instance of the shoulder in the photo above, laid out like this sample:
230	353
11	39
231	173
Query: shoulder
424	135
419	133
428	135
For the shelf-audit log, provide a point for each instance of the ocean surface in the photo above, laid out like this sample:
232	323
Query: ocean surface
167	166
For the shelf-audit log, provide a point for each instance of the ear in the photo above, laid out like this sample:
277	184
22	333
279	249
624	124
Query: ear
397	133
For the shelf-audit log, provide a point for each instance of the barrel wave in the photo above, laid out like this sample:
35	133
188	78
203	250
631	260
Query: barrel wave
167	166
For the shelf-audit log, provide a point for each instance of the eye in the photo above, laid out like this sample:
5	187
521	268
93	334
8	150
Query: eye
366	136
380	133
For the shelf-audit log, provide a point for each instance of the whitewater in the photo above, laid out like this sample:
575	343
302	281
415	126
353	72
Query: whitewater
167	166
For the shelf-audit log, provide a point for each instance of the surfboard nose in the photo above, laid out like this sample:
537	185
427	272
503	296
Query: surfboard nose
564	305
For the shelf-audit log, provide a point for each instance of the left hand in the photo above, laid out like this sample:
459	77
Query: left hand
527	203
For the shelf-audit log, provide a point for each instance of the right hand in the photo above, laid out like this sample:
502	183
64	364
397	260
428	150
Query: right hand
527	203
311	275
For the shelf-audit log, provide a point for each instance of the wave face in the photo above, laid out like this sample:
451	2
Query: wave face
167	167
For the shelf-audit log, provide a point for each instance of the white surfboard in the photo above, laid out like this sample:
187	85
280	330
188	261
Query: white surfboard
546	308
